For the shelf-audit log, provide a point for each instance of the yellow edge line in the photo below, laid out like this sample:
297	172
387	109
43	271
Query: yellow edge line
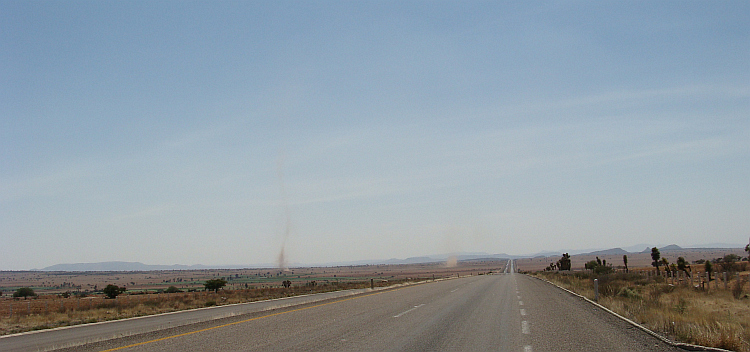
247	320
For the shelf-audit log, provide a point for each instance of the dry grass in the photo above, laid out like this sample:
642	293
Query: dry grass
51	311
713	317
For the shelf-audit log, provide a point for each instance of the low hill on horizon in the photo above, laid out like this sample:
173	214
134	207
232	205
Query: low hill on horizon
123	266
463	256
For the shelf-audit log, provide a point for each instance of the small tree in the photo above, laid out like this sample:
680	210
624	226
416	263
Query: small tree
287	283
215	284
564	262
683	265
599	266
112	291
625	261
708	266
655	255
728	263
24	292
665	263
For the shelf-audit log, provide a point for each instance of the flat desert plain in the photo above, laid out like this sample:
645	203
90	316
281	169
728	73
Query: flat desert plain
56	282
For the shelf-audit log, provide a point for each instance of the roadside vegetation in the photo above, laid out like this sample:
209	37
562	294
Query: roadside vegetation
42	300
50	311
680	303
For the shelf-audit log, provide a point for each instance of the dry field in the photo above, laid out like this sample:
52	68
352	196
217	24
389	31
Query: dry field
153	281
49	309
712	316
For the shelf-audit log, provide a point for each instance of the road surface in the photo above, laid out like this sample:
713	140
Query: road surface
503	312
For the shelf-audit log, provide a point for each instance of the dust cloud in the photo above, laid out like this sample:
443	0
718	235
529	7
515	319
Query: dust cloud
282	260
452	243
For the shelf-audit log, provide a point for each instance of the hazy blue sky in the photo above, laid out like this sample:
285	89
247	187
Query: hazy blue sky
208	132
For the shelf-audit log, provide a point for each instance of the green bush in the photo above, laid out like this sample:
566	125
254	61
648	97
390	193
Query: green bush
172	289
628	292
112	291
215	284
24	292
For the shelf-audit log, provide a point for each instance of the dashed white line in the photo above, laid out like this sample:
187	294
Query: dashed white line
520	303
527	348
525	327
407	311
523	311
454	290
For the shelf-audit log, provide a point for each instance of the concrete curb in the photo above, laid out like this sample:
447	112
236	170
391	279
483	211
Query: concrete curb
684	346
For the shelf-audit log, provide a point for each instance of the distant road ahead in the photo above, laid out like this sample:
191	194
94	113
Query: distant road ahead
504	312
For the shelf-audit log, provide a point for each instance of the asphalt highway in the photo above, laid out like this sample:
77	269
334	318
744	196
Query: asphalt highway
502	312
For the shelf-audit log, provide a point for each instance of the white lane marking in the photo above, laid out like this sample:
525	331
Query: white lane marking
520	303
525	327
523	311
527	348
454	290
407	311
519	297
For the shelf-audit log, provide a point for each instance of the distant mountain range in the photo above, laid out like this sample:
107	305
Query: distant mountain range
136	266
130	266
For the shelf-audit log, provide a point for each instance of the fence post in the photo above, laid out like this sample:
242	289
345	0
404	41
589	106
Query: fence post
28	307
11	309
707	283
725	280
739	283
692	275
596	290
